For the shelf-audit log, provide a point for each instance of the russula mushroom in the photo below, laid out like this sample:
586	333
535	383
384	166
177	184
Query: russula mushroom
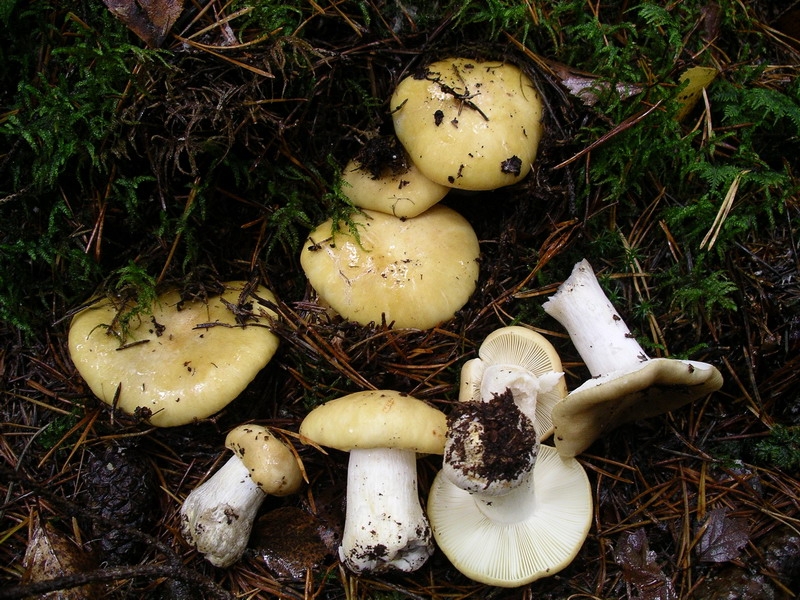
507	395
385	527
186	360
531	532
217	516
415	273
627	384
469	124
398	189
520	359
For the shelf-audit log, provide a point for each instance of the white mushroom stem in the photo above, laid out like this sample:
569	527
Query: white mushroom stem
385	527
597	331
517	506
524	386
218	515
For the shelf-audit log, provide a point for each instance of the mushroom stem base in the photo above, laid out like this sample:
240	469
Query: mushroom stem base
217	516
385	527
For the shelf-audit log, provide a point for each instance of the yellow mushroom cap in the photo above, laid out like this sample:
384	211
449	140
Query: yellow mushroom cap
185	361
377	419
414	273
272	466
403	195
473	125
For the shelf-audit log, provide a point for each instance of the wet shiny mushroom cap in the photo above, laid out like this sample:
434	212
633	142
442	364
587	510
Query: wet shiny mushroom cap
415	273
186	360
468	124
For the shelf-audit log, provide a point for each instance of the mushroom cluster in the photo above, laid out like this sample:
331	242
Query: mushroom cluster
405	260
505	508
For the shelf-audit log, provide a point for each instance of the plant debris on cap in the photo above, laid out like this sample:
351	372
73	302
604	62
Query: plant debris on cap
394	186
414	273
186	360
468	124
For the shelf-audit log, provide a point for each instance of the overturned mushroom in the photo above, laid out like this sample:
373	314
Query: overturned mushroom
531	532
184	361
385	527
217	516
507	396
626	383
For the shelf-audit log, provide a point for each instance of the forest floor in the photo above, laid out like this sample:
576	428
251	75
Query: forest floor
201	142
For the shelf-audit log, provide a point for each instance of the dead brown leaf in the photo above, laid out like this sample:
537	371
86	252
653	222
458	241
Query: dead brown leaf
52	555
151	20
722	537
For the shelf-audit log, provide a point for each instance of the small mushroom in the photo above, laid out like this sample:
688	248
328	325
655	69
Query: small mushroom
507	396
184	361
531	532
385	527
415	273
626	385
403	194
217	516
468	124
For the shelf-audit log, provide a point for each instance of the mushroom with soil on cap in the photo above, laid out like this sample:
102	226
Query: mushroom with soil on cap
385	527
507	396
390	184
626	384
469	124
184	361
533	531
415	273
217	516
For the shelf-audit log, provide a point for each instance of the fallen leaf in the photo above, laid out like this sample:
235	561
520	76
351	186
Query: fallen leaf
151	20
697	79
640	568
289	541
722	537
50	555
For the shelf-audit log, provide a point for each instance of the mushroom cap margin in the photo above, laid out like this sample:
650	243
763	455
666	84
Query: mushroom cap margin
654	387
